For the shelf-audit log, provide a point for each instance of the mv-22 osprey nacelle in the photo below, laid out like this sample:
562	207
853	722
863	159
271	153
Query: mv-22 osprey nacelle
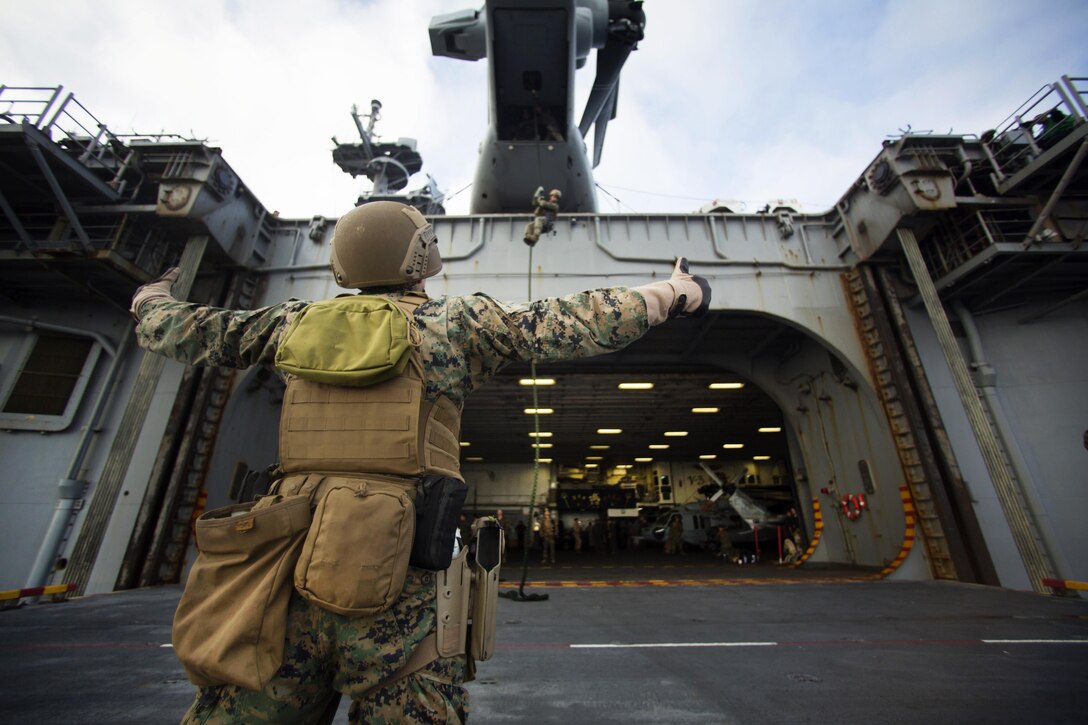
534	47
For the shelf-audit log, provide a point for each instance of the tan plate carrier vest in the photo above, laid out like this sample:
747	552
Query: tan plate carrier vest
387	428
384	435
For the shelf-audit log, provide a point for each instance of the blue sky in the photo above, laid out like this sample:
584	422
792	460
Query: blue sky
747	100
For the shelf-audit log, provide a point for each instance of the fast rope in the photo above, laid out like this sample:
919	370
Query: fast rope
519	595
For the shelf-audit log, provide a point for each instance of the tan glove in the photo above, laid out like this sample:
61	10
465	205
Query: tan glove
681	295
159	289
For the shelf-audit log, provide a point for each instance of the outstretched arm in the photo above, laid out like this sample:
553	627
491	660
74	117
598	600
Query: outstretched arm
201	335
554	329
491	334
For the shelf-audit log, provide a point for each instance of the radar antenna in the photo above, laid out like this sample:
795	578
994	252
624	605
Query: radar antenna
388	165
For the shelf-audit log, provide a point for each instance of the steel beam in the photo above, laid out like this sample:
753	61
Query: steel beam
9	212
58	193
1063	183
1020	519
104	496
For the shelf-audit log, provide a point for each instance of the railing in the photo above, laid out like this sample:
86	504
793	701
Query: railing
37	225
143	243
958	240
1036	126
1077	86
72	127
27	104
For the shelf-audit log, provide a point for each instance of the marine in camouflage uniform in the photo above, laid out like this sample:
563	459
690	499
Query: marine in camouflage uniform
465	341
544	214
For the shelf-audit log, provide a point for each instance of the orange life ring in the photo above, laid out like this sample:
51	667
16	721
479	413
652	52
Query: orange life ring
853	504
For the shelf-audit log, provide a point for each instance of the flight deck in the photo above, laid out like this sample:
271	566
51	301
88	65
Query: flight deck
773	645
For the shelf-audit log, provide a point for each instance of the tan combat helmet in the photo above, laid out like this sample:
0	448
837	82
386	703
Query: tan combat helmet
556	193
383	243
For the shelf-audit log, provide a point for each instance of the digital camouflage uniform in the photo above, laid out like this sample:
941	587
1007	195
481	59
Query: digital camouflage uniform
465	341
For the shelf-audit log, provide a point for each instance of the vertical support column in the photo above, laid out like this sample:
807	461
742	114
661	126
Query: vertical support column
1021	523
104	499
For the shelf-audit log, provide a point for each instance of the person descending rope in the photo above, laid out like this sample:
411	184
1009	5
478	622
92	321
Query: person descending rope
544	213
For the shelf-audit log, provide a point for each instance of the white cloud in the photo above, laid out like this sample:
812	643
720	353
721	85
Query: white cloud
746	99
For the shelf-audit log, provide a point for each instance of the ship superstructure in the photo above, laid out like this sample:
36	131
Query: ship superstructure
920	347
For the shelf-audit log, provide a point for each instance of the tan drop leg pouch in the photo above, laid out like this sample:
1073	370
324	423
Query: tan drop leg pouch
356	555
229	624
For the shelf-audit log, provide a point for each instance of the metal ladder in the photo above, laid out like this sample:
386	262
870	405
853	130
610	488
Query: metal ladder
910	457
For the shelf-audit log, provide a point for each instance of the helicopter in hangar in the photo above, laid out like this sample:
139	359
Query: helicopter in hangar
747	521
533	50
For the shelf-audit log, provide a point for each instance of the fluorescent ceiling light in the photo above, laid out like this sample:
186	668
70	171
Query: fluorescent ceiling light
643	460
708	457
541	445
658	446
733	445
544	460
536	381
465	444
592	465
726	386
474	458
541	434
705	410
675	433
594	458
761	458
600	448
636	386
538	411
609	431
770	429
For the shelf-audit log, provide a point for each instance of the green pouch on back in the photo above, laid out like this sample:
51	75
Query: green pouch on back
353	341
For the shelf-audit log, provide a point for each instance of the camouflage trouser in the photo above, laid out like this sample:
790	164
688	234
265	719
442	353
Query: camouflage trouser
535	228
327	654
